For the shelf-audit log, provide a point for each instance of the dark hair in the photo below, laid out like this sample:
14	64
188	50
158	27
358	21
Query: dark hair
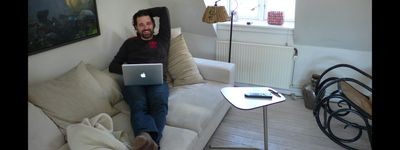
141	13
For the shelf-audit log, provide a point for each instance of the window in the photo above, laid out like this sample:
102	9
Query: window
258	9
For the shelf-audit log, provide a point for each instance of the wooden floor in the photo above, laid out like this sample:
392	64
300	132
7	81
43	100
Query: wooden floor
291	126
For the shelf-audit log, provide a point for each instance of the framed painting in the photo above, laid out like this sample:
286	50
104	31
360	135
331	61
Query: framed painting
54	23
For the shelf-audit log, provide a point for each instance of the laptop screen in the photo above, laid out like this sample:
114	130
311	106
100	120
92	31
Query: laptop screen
142	74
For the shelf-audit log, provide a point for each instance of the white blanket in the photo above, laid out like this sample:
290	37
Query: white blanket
96	133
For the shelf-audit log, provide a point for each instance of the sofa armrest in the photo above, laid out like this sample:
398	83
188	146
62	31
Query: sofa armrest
43	133
216	70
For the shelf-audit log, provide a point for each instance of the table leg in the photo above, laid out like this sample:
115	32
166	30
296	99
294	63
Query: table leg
265	128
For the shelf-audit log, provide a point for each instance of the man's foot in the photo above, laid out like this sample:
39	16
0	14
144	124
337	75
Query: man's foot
144	142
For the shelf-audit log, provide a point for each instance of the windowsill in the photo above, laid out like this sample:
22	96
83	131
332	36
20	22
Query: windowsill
258	32
256	26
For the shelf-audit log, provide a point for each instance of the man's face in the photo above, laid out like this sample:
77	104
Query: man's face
145	27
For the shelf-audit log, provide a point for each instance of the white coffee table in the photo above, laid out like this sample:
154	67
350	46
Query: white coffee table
235	96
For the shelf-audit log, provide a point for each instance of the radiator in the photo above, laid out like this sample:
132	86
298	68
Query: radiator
259	64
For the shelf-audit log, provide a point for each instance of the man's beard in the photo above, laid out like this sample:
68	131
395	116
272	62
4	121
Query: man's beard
146	36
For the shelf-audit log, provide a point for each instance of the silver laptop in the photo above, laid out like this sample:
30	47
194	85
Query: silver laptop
142	74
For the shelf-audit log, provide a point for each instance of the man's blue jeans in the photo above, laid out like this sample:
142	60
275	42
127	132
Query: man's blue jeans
149	108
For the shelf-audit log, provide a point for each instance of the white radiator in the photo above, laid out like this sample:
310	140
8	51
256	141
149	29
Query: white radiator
259	64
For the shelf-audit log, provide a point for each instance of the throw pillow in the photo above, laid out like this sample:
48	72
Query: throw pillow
109	85
70	98
181	66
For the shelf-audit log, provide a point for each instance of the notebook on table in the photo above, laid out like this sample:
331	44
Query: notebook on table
142	74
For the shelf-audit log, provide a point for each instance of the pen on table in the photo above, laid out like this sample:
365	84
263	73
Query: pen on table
273	92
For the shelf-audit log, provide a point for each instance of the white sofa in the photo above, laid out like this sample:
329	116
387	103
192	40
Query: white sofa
195	111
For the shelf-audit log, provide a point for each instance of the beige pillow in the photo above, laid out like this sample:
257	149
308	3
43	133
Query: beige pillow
70	98
181	66
110	86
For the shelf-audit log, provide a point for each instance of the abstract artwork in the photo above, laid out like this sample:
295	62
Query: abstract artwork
54	23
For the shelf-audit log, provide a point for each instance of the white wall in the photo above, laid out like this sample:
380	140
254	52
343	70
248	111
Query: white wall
200	46
187	14
115	17
200	37
345	24
315	59
332	32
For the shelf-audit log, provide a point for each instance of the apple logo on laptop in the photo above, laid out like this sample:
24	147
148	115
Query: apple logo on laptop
143	75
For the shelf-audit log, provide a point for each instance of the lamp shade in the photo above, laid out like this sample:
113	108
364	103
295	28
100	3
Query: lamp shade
214	14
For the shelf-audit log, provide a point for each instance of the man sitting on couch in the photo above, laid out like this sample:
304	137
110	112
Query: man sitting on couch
148	103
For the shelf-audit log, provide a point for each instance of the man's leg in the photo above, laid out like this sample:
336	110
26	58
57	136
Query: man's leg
158	101
141	120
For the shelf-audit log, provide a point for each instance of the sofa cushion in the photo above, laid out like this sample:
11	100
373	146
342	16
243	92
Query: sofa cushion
178	139
186	103
123	107
122	122
173	138
71	97
64	147
43	134
181	65
109	85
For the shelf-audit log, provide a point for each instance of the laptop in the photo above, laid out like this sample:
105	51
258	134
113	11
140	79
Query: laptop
142	74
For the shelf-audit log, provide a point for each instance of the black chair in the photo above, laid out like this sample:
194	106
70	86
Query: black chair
344	100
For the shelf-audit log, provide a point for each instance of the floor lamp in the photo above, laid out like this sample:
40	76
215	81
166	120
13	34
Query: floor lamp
214	14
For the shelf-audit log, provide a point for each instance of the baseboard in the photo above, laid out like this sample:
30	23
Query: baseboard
291	91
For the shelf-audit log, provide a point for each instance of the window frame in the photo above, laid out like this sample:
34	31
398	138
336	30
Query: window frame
261	14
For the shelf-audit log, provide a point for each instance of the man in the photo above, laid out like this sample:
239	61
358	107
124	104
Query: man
148	103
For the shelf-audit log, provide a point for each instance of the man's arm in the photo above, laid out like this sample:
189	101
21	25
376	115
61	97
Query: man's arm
165	24
119	59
